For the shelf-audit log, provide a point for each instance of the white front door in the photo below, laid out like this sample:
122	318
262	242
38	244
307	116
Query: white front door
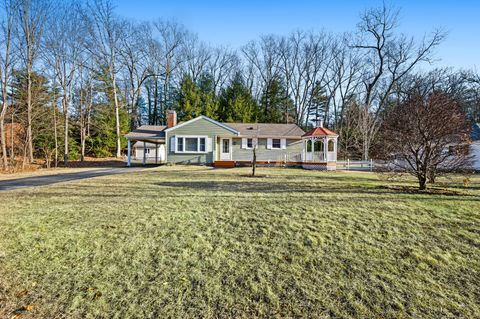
225	149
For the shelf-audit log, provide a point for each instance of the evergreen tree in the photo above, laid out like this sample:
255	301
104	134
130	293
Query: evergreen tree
237	103
276	106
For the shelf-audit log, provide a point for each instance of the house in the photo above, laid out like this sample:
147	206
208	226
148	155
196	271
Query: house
475	146
205	141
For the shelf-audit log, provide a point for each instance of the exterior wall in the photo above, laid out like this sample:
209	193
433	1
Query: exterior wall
292	152
475	151
200	127
151	155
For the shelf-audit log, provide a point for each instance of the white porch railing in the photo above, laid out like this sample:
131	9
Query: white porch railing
319	157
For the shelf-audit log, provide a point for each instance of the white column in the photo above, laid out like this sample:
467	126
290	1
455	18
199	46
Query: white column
312	146
129	153
144	152
325	149
156	153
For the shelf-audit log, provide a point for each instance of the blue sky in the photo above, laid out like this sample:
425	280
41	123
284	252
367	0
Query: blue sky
234	23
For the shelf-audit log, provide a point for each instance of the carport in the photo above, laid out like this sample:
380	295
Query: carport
146	134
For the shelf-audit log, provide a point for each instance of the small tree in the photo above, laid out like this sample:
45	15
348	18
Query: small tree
425	135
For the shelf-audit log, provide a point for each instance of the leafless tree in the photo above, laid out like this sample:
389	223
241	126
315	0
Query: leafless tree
7	32
63	53
196	55
222	65
32	18
426	135
388	58
171	37
105	34
134	55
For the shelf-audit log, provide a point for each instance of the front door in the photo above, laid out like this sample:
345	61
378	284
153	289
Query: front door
225	149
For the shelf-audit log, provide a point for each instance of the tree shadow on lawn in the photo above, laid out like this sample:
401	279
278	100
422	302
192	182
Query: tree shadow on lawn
269	188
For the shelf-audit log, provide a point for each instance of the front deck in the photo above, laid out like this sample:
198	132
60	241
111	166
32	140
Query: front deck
303	164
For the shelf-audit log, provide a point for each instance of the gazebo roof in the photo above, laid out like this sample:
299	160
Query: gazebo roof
319	131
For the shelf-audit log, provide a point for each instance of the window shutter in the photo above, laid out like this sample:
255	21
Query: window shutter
244	142
283	143
269	143
172	144
209	144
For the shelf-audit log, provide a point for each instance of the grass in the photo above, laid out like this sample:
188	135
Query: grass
188	242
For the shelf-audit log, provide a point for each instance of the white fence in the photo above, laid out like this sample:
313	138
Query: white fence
356	165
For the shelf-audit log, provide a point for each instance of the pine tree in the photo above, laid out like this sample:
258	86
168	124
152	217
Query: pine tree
237	103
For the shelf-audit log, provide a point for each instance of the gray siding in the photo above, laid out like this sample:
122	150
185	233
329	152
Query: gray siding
200	127
292	152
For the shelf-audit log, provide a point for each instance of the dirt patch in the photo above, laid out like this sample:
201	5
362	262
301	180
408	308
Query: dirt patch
95	162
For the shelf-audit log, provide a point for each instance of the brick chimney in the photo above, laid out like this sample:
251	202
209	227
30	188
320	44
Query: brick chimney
171	118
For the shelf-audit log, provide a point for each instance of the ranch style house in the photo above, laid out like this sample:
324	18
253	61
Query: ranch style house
204	141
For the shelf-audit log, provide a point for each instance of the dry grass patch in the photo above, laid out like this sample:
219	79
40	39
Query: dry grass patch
188	242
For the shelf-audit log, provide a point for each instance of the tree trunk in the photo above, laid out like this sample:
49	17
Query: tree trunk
422	183
55	133
117	115
254	161
65	132
29	116
3	143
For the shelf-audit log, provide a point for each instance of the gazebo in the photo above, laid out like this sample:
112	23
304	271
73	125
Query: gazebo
320	148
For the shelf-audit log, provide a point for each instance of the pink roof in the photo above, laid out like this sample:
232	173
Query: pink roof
319	131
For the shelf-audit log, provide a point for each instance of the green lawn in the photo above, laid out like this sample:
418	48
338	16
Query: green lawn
176	242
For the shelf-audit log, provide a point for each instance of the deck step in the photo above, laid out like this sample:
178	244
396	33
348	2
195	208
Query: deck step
224	164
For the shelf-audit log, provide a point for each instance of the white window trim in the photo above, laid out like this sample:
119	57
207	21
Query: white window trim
277	148
198	137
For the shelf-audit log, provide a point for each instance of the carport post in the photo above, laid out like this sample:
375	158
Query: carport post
144	153
129	156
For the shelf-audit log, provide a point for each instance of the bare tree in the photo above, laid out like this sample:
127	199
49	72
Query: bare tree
134	55
426	135
171	37
196	55
388	57
222	66
63	54
6	59
105	33
32	18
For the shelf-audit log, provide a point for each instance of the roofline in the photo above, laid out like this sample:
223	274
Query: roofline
204	118
292	137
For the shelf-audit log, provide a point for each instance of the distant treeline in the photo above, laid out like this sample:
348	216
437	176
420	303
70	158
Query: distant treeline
75	77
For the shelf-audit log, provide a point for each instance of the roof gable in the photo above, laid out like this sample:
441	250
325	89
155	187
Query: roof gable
203	117
147	132
320	131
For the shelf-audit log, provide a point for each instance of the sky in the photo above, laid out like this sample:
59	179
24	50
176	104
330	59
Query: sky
234	23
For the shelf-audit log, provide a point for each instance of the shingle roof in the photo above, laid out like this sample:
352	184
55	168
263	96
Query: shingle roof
147	132
267	129
320	131
475	132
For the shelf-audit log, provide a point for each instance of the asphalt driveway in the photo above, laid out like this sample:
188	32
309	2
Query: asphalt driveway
44	180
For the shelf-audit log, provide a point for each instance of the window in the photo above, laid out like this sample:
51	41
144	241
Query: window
276	143
226	146
147	151
249	142
179	144
191	144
